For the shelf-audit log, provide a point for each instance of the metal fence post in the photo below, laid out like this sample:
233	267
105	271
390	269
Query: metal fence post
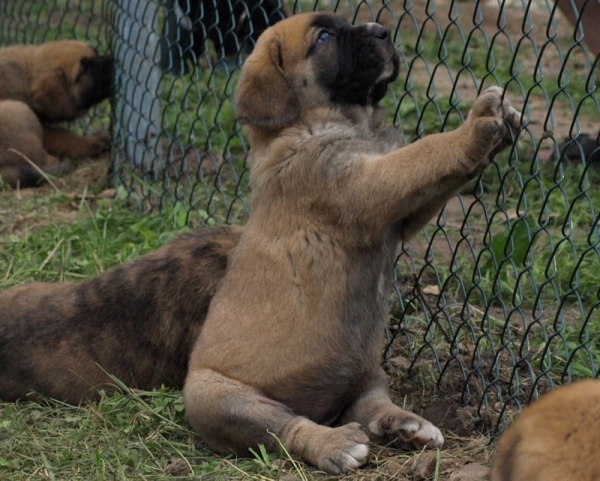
138	106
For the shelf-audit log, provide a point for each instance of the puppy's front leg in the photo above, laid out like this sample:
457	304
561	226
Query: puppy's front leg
410	184
480	143
65	143
387	423
231	417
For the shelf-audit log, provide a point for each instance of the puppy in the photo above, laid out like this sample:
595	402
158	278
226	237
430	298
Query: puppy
137	322
290	351
55	81
21	135
557	438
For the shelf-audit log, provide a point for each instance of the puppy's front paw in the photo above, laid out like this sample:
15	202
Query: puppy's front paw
492	125
344	448
406	430
98	144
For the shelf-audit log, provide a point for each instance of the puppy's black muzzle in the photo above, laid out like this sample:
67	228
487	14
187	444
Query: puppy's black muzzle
375	50
101	69
369	61
379	31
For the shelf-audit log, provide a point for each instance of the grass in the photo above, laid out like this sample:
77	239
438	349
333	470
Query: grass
144	436
126	436
85	248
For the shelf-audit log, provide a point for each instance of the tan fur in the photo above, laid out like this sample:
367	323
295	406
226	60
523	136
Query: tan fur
557	438
21	135
51	83
292	341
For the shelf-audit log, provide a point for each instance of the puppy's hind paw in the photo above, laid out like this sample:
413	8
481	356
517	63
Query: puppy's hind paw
406	430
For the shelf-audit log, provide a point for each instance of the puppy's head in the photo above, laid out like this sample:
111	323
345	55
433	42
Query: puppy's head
311	60
68	78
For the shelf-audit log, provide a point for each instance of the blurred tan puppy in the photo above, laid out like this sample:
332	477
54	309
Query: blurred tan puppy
40	85
557	438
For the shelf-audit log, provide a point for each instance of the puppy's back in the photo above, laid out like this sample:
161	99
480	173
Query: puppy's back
557	438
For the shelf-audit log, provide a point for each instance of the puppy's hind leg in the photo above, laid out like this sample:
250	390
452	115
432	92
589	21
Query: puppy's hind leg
387	423
231	417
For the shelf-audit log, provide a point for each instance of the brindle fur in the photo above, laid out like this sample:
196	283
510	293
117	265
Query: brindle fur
137	321
557	438
40	85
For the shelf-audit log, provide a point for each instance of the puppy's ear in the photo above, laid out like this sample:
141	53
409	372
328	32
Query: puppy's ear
51	96
264	96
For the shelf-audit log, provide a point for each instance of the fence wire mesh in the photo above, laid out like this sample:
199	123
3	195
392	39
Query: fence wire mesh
499	298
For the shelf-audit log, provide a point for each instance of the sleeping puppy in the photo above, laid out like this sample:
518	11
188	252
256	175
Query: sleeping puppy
557	438
41	85
291	345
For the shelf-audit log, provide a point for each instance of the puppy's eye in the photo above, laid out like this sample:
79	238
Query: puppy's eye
324	35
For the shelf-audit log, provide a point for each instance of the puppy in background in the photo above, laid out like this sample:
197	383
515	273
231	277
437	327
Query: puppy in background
41	85
557	438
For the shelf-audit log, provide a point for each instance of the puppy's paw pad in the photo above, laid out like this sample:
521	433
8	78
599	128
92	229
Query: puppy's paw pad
492	104
488	104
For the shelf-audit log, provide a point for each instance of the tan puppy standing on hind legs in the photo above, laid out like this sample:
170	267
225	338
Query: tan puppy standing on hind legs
291	344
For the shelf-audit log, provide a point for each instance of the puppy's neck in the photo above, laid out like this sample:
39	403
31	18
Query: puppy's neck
372	118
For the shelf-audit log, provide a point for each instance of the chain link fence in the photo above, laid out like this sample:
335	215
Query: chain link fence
499	298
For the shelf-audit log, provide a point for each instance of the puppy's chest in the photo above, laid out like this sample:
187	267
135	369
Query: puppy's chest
358	138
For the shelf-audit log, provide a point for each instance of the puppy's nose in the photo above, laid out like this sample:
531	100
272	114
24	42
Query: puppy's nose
379	31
